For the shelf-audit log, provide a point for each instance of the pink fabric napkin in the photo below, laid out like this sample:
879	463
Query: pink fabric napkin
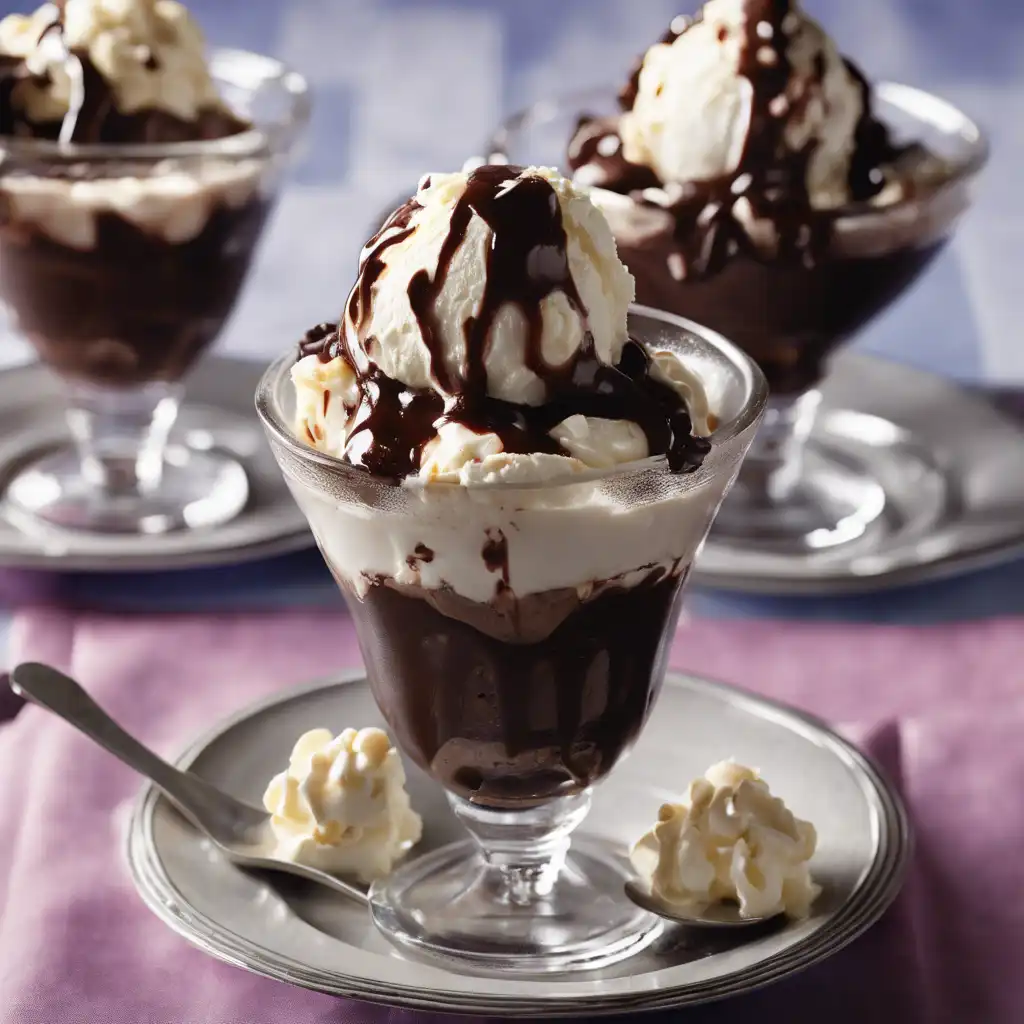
943	709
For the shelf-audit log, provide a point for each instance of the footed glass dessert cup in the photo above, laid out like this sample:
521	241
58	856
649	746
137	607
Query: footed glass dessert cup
515	638
120	264
799	490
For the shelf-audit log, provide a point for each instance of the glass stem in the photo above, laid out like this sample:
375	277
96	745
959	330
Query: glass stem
773	466
121	434
523	851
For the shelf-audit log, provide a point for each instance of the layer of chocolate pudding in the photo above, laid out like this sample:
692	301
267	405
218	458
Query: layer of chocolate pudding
135	307
787	316
515	702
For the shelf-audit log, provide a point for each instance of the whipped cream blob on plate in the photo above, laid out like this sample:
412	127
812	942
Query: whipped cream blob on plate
486	339
341	804
731	840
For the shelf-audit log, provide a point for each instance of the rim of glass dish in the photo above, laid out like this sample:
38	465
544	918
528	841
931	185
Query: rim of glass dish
247	143
908	98
266	407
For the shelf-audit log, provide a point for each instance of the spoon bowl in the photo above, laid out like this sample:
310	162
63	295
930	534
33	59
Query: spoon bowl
716	915
240	831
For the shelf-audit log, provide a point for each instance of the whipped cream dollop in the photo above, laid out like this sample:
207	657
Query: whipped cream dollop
486	338
150	52
696	95
731	840
341	804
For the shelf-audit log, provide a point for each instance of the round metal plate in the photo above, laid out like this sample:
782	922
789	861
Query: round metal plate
951	465
309	937
218	411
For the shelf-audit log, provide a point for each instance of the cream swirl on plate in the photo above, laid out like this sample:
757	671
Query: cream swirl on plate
341	804
731	840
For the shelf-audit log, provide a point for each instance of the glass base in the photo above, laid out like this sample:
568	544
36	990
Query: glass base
454	904
832	499
196	490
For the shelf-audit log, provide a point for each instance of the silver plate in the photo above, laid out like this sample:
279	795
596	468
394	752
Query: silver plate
218	408
302	935
952	467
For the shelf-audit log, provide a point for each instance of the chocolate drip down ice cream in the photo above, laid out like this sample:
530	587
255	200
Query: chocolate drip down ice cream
745	136
118	266
511	593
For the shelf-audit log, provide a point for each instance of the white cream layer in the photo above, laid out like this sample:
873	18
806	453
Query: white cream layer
170	202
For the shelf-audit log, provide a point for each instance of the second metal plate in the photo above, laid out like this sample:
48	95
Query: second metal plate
952	468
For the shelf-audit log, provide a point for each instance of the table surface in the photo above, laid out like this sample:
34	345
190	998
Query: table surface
407	86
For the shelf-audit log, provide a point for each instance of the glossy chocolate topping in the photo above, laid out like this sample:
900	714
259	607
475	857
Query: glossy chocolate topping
770	175
93	116
527	261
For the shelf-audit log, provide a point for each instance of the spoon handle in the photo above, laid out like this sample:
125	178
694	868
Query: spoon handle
203	804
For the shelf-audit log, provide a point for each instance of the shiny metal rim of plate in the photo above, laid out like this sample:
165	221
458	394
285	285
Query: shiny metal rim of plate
217	412
903	417
874	893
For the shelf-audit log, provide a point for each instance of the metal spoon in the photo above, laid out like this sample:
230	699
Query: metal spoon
717	915
241	832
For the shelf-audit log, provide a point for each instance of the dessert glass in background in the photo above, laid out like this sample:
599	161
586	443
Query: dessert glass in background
124	245
788	237
505	469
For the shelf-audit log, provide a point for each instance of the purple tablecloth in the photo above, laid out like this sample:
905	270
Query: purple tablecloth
943	709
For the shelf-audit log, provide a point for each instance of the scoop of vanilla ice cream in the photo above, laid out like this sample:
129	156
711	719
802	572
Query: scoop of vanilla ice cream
732	840
384	336
692	112
151	53
394	339
341	804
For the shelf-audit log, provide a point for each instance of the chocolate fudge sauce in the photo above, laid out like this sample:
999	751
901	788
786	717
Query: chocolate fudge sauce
134	307
787	304
522	700
527	261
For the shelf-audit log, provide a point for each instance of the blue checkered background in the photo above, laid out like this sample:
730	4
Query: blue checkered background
406	86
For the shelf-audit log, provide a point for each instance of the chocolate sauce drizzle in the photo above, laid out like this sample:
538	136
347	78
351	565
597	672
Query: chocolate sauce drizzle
495	556
770	175
93	116
527	261
421	555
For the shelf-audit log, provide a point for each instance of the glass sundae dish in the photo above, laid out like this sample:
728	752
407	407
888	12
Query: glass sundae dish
136	177
756	183
509	471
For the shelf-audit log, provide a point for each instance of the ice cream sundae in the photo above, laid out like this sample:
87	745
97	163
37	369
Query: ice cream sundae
509	472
